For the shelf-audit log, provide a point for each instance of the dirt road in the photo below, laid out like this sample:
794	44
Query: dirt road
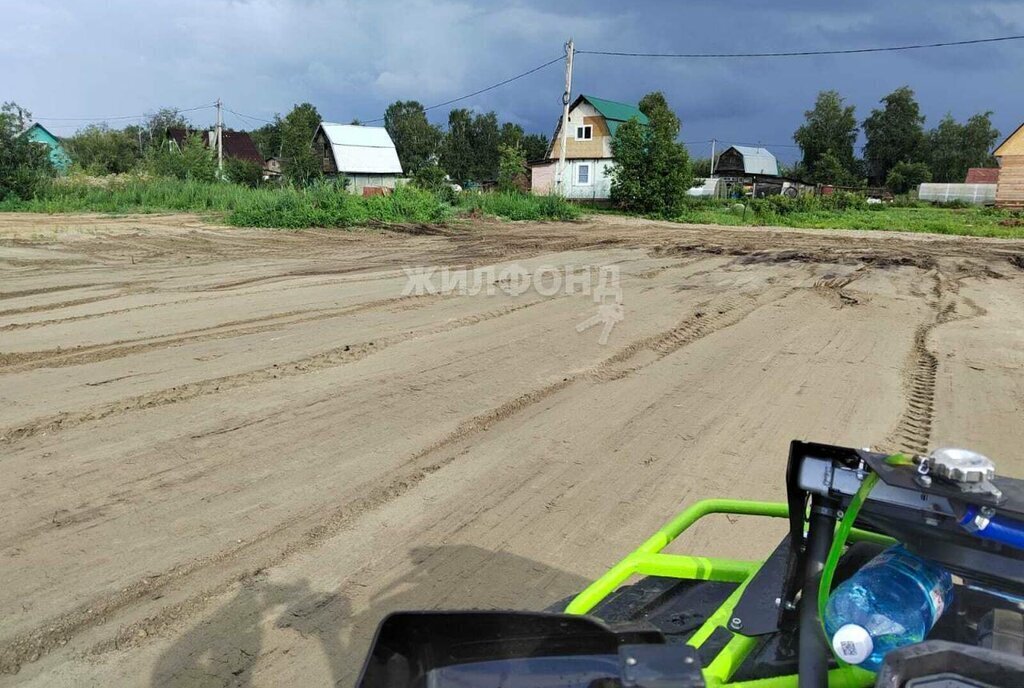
227	453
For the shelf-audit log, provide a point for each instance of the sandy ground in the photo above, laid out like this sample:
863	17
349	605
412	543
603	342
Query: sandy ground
227	453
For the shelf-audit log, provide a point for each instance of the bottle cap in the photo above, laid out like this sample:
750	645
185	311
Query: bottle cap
852	644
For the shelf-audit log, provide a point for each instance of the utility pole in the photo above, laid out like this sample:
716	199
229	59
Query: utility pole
560	169
713	142
220	141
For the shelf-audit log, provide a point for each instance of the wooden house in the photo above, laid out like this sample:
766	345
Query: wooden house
588	150
1010	188
58	155
366	156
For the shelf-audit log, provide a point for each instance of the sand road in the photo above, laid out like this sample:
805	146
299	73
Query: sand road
227	453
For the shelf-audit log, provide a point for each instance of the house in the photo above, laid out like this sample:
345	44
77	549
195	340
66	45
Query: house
982	175
755	170
272	168
588	150
236	144
366	156
58	155
1010	153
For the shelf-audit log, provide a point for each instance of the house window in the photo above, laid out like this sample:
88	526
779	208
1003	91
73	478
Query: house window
583	174
584	133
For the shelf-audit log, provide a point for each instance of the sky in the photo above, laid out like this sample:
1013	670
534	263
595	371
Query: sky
65	59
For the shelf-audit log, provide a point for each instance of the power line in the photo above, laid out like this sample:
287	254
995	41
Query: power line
249	117
119	117
802	53
485	90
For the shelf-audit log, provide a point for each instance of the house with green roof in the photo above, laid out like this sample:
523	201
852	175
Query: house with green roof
588	150
58	155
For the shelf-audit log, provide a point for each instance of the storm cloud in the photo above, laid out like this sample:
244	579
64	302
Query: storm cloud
69	59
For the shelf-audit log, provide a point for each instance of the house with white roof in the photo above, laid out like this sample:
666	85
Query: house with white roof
366	156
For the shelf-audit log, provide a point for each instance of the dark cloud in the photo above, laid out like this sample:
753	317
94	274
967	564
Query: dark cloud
64	58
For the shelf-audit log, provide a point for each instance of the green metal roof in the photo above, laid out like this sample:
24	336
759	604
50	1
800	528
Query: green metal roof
615	113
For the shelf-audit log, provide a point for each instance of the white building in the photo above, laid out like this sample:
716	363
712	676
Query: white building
588	150
366	156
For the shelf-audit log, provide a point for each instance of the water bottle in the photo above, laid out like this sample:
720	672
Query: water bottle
893	601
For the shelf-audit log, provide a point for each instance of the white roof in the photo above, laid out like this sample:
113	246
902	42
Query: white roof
362	150
758	161
708	188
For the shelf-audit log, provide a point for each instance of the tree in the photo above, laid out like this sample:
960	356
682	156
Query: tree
511	168
701	168
193	161
535	146
826	139
24	165
163	119
100	150
457	146
905	176
299	164
952	147
894	134
486	137
415	138
268	138
652	170
244	172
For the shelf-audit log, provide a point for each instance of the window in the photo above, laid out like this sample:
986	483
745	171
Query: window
583	174
584	133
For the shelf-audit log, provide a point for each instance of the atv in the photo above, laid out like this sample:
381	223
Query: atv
694	622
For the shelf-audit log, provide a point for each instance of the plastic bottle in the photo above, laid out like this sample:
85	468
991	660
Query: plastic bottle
893	601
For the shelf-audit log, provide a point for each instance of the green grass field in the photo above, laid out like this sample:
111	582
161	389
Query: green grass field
320	205
969	221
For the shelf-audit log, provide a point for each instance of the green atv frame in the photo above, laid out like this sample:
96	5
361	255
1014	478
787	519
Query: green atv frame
661	620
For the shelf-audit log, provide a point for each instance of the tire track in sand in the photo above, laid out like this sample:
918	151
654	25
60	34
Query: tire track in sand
293	536
337	356
913	430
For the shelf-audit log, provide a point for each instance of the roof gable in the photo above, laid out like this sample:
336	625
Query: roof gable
1013	145
361	150
757	160
38	132
614	113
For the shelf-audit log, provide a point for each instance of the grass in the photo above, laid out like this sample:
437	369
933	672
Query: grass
319	205
968	221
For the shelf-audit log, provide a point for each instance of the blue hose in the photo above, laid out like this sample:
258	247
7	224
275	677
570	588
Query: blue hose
996	528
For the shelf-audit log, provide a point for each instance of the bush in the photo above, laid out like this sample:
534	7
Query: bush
244	172
99	150
520	206
25	167
191	162
905	176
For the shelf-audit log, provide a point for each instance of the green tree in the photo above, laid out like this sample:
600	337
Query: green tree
244	172
652	170
952	147
486	137
826	139
905	176
457	146
99	150
701	168
535	146
469	150
192	161
25	166
299	164
894	134
415	138
163	119
511	167
268	138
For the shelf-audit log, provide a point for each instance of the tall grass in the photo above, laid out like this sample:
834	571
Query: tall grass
324	204
512	205
813	213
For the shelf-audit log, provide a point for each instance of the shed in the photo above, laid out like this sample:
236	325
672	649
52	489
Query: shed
58	155
745	161
982	175
364	155
1010	188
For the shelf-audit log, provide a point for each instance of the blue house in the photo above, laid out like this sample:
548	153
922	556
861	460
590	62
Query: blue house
58	156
